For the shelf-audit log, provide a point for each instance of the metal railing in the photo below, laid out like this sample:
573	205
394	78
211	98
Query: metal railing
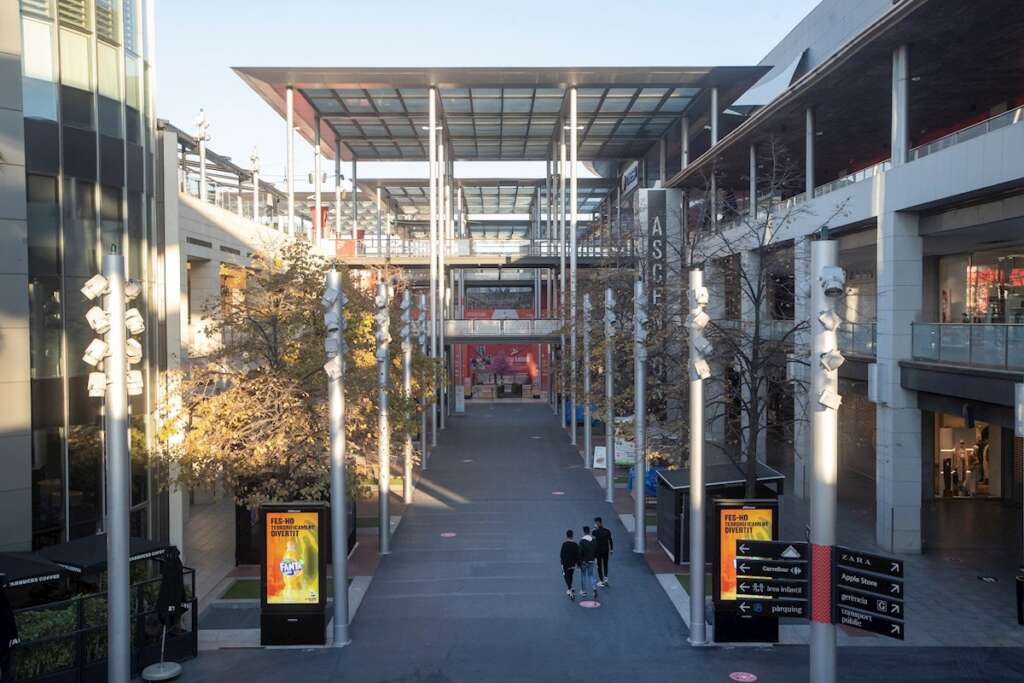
1007	118
397	248
990	345
857	338
503	328
851	178
67	640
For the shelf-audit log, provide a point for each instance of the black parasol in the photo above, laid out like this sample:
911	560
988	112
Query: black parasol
171	602
89	553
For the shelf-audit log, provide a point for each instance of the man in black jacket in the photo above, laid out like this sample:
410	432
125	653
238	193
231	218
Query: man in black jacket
603	538
570	558
588	551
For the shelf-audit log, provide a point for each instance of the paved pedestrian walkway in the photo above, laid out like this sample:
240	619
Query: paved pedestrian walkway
488	604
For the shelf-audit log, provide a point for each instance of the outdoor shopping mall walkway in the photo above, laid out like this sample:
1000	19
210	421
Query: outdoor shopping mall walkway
489	603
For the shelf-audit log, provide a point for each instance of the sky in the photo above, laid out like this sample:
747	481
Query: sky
199	42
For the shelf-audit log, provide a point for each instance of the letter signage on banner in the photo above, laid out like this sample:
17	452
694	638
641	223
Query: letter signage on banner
748	523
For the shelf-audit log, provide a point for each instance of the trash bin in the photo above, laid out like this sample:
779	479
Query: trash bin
1020	600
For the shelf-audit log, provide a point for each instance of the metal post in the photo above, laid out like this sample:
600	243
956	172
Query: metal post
380	228
753	182
337	188
587	430
383	425
639	414
714	116
685	137
255	159
573	201
202	126
609	394
432	152
407	387
441	280
317	200
698	370
238	207
825	360
355	198
561	272
900	126
547	199
336	349
423	408
115	429
809	152
289	98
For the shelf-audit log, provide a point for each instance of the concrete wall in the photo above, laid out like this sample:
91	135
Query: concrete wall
16	417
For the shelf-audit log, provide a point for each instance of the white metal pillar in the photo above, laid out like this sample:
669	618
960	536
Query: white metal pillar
809	152
380	226
714	116
824	401
442	280
238	207
432	163
407	391
335	299
561	269
685	140
202	126
383	354
547	199
610	320
573	205
752	208
255	159
698	366
290	161
639	415
662	163
318	228
337	188
355	199
900	104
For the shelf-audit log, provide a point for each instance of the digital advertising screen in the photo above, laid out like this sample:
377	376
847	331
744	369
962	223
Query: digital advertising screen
293	557
746	523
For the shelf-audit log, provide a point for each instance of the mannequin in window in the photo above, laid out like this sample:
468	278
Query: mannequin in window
982	450
961	466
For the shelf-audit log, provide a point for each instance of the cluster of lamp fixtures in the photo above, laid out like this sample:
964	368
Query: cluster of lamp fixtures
334	321
832	281
98	349
697	320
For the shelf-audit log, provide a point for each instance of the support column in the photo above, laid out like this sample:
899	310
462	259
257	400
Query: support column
561	267
714	116
380	227
318	228
900	105
750	262
337	188
573	205
442	280
289	96
685	140
547	199
202	125
238	207
355	199
809	127
799	369
662	164
255	159
432	163
587	430
639	415
753	183
897	418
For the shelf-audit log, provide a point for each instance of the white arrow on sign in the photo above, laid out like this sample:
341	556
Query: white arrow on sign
743	587
894	629
895	588
744	549
744	568
744	607
894	567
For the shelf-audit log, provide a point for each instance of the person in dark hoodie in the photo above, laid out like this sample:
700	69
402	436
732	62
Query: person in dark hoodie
588	553
603	538
570	558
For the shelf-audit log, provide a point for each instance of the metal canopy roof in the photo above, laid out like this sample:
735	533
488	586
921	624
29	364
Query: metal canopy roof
493	113
487	195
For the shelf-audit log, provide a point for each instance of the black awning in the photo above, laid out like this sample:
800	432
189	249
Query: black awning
89	553
22	569
719	476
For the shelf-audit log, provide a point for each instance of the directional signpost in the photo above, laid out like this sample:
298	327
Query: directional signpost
772	579
868	592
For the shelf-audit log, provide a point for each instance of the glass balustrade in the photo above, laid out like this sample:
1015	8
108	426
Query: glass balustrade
990	345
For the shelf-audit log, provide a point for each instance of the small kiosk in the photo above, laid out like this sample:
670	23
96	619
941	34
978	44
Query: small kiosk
293	595
724	480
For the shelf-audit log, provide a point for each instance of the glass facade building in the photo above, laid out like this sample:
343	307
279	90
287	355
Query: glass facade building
89	144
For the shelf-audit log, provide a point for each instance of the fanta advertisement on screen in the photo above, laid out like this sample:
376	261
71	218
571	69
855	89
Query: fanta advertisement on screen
293	550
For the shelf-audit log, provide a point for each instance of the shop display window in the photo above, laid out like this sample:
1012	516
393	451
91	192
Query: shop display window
967	459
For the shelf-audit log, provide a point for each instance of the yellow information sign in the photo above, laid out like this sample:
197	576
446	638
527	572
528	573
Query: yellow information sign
293	558
739	524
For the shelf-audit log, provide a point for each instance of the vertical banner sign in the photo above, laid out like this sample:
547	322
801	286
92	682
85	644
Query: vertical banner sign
656	278
293	558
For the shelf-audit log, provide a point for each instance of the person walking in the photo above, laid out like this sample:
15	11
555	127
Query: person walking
570	558
605	547
588	552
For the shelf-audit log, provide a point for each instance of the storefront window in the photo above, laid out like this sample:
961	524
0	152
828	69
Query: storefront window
968	460
982	287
